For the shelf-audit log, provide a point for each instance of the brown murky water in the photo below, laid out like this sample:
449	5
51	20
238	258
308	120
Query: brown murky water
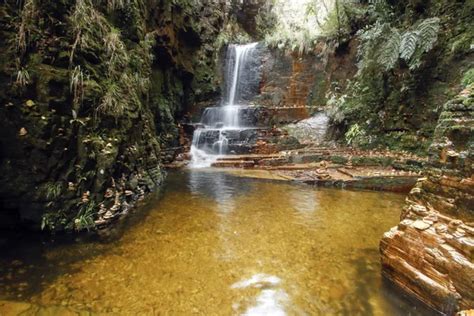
215	244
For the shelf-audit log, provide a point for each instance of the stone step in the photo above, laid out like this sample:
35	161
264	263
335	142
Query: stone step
233	164
251	157
293	167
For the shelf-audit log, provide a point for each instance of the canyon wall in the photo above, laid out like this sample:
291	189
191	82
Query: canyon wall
430	253
90	96
294	86
291	79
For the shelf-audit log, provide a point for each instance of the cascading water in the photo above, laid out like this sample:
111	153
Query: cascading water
217	123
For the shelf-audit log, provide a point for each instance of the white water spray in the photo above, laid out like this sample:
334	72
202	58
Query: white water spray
210	141
241	53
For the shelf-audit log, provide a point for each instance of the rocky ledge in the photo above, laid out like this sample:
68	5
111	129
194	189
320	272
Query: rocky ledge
327	166
430	253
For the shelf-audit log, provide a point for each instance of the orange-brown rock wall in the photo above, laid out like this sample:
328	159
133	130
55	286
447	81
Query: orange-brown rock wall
290	79
430	252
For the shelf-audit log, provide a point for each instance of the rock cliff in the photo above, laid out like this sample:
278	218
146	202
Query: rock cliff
430	253
90	95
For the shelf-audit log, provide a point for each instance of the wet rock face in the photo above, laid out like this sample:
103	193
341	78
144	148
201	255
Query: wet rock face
246	141
430	253
248	116
248	11
238	140
81	137
250	75
294	80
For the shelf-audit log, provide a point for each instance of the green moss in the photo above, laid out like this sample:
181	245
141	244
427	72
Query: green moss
106	95
468	77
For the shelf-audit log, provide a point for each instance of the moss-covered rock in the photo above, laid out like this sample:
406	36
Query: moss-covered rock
399	108
90	94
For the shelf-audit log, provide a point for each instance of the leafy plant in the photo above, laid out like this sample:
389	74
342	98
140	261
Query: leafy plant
89	27
297	26
389	52
85	217
53	219
22	77
113	101
468	78
77	86
53	190
383	45
115	50
117	4
353	134
28	15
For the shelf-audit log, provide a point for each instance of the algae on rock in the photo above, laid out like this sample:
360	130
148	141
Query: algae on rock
108	81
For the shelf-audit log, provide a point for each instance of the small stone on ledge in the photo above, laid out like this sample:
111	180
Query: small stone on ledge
421	225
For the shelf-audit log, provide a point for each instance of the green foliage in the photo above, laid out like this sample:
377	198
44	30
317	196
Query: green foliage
85	216
52	190
426	36
25	30
117	4
383	45
53	220
336	107
113	101
22	77
336	24
123	94
295	27
266	20
28	17
299	25
76	86
354	134
408	45
56	219
128	68
344	16
468	78
388	54
89	27
116	51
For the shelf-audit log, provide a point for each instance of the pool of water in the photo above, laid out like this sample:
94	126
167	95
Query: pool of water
215	244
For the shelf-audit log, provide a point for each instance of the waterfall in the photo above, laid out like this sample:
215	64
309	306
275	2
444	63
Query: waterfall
211	140
240	55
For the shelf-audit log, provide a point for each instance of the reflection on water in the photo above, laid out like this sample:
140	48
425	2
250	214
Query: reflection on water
214	244
216	186
270	301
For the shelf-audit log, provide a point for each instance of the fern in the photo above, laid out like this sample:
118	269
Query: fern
428	33
371	40
385	45
408	44
388	54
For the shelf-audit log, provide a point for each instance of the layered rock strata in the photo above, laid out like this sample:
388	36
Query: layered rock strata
430	253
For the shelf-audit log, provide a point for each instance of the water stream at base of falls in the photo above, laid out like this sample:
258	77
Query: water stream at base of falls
211	140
